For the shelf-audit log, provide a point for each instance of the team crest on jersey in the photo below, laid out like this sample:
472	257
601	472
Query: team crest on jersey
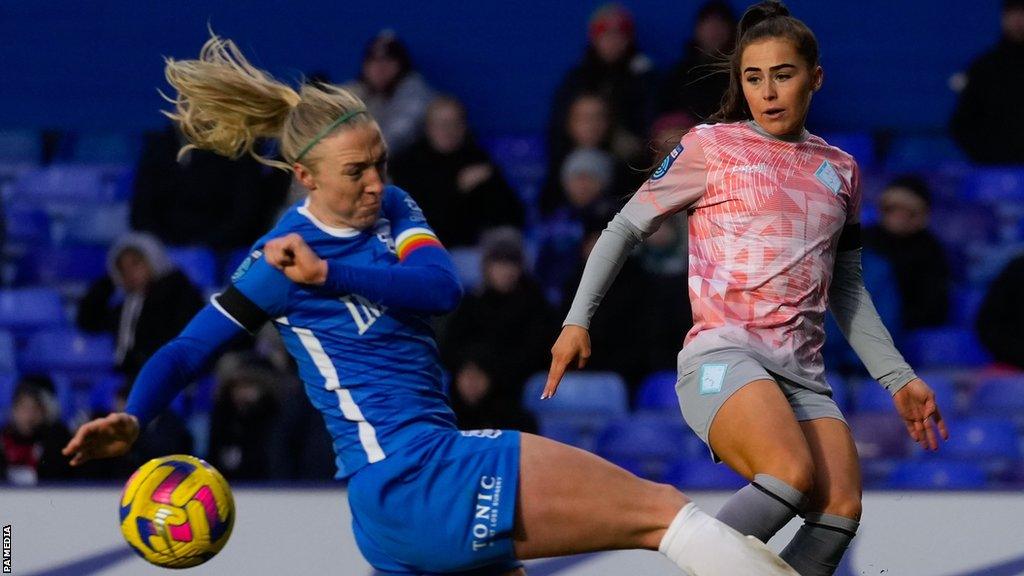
415	213
827	175
667	162
382	231
245	265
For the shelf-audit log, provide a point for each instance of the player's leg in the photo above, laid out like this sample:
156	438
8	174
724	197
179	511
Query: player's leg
756	433
833	512
571	501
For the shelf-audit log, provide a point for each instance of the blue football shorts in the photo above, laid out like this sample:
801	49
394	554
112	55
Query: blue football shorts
444	505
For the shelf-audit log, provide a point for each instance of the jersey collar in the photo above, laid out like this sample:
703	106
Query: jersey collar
337	232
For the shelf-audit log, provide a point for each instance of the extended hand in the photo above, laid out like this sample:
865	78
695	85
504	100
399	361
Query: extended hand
916	405
572	344
103	438
291	255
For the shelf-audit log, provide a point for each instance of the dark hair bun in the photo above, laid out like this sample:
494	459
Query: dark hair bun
760	12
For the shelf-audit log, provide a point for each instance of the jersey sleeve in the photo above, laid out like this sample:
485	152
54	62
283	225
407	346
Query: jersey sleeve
850	238
409	226
677	183
258	292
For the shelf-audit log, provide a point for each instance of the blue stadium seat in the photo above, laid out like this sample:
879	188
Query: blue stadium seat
467	264
649	442
70	184
68	264
523	161
991	442
21	146
966	303
870	396
96	224
26	309
105	148
584	393
937	475
658	392
860	145
567	429
199	264
1000	396
840	389
8	354
943	348
7	382
993	185
68	351
102	392
922	153
690	475
27	226
881	440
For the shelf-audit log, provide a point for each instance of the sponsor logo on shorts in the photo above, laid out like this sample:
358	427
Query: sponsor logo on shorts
712	377
488	504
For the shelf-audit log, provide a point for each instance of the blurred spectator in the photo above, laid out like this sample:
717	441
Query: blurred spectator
478	406
142	300
453	179
245	410
31	441
666	132
300	447
623	351
613	68
696	84
507	325
586	177
667	301
987	123
203	199
917	257
589	124
1002	316
395	94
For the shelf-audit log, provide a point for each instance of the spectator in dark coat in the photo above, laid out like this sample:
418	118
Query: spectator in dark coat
508	322
203	198
395	94
245	411
987	122
143	301
614	68
1002	316
916	256
477	404
460	190
696	84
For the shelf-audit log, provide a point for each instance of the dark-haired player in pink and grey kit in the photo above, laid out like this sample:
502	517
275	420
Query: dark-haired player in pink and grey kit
774	242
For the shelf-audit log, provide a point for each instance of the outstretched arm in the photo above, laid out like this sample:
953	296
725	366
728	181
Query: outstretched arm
855	313
162	377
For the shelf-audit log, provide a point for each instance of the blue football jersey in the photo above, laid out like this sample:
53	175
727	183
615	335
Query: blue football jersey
373	372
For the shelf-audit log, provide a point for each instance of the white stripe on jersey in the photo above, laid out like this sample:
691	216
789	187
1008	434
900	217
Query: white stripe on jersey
213	300
367	434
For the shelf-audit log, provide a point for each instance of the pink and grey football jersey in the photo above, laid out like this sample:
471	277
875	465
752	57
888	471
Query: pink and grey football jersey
765	217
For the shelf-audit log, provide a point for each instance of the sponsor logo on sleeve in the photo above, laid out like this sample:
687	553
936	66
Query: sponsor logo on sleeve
667	162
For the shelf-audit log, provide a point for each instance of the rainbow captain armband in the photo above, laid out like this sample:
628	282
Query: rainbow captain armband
413	239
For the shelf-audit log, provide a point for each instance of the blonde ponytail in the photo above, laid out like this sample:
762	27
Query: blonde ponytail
225	104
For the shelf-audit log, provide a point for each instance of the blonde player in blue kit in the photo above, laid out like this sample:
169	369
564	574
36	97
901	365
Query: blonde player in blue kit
349	278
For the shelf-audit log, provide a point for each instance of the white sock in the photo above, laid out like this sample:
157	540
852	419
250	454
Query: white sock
703	546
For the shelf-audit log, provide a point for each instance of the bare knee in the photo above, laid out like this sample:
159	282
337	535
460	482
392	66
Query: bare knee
663	504
795	470
840	502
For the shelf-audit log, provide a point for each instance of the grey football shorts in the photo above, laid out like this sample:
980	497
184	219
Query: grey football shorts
704	389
